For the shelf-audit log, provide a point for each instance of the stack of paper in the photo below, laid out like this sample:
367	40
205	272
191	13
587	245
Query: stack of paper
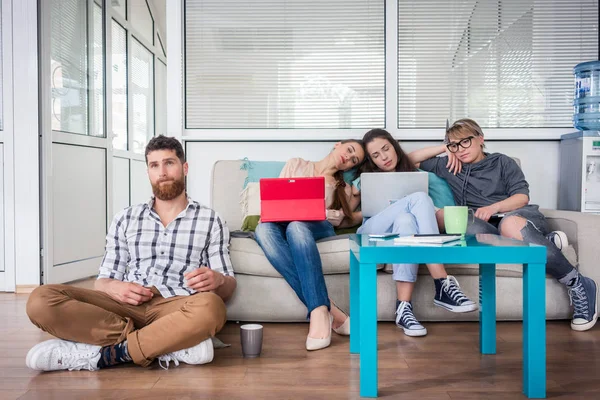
429	240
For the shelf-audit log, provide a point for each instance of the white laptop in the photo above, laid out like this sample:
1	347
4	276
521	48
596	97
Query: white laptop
380	189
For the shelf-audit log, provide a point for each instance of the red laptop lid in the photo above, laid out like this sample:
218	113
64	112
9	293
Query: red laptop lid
292	199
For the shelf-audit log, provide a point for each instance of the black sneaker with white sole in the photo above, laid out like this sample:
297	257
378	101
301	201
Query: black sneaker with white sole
449	296
406	320
584	297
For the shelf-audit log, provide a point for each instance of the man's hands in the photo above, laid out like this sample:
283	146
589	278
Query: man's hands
204	279
128	292
485	213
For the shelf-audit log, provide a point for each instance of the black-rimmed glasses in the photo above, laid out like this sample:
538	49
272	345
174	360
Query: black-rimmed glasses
464	143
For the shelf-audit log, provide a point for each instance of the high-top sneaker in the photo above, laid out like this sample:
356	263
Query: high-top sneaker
449	296
406	320
583	294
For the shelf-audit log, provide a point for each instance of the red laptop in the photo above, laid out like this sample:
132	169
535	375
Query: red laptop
292	199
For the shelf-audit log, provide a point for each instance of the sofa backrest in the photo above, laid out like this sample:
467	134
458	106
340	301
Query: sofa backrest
226	184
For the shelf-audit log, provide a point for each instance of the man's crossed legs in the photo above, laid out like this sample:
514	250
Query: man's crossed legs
98	331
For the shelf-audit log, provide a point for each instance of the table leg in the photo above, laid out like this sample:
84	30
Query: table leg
534	330
487	308
354	304
368	330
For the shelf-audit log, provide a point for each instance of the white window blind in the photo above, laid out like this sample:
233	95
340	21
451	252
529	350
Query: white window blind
292	64
142	95
98	74
69	66
505	63
119	86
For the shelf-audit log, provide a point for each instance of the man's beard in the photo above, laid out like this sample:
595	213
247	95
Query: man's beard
170	190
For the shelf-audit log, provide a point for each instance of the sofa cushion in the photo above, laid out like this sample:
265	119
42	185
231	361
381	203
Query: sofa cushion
261	169
248	258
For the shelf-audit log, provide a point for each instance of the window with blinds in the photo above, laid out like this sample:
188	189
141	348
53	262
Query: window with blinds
142	95
69	66
505	63
119	86
292	64
98	74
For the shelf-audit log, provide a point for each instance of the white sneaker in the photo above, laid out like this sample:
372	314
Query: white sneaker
559	238
58	354
202	353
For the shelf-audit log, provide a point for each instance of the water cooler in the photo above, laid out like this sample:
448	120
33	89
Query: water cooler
579	182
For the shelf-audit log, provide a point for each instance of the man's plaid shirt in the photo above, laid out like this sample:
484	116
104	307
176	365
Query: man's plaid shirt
140	249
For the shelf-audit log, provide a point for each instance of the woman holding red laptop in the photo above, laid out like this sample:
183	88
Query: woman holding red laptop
291	246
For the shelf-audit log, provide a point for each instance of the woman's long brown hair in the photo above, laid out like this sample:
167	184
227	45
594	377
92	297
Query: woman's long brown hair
402	165
340	200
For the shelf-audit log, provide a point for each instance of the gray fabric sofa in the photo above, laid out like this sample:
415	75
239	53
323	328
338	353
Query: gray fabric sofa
263	295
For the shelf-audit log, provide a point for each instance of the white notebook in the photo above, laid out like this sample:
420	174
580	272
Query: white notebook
427	239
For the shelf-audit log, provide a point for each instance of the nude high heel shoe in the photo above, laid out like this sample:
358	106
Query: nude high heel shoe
343	329
318	344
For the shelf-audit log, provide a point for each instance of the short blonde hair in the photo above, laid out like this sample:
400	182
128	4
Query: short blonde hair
463	127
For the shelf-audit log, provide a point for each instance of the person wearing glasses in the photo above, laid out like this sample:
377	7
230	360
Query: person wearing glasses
494	187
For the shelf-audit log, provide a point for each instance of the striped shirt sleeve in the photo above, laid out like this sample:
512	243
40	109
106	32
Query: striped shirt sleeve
218	248
116	254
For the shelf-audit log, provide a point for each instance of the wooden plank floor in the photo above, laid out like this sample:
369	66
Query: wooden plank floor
445	364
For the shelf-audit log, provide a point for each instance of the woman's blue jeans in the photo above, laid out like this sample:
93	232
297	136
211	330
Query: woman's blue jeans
411	214
291	248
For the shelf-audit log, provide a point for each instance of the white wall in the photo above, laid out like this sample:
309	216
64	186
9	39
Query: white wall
540	170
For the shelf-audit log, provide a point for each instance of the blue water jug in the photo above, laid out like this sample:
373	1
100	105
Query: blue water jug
586	106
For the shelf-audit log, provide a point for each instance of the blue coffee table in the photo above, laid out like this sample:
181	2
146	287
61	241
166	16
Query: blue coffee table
485	250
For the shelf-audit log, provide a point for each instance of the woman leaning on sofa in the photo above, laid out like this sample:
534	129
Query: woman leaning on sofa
292	249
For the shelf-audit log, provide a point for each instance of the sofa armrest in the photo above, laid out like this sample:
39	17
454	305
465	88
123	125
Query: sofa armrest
583	231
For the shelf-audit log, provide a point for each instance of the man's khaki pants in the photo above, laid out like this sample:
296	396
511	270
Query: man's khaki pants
159	326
